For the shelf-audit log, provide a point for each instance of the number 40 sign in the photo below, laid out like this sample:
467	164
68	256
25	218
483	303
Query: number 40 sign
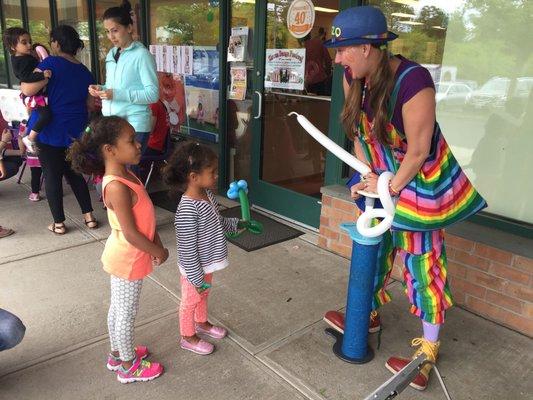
301	18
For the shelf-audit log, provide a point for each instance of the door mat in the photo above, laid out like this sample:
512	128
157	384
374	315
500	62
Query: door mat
273	231
166	200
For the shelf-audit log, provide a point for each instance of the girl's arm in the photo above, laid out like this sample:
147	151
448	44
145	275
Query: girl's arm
230	225
150	93
30	89
419	123
157	241
186	225
118	198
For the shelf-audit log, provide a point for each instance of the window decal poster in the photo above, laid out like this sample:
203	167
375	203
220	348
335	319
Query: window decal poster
285	69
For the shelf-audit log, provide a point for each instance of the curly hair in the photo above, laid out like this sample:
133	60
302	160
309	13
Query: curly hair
187	158
85	154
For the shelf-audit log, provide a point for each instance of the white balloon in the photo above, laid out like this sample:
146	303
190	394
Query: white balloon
365	219
329	144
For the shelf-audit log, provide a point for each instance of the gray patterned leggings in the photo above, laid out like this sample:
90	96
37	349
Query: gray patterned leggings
121	317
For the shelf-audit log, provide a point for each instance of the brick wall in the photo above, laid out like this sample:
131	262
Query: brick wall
493	283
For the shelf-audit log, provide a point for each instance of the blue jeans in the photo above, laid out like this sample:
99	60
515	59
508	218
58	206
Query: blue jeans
11	330
142	138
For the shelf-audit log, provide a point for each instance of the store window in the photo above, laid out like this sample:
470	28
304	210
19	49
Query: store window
103	43
76	14
39	21
184	39
12	11
480	54
239	109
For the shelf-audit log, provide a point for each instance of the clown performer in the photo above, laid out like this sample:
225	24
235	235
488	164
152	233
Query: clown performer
389	114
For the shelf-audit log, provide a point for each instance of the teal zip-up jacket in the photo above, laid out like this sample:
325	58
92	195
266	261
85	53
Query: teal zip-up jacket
134	82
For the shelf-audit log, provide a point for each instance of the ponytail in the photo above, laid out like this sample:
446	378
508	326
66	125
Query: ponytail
68	39
121	15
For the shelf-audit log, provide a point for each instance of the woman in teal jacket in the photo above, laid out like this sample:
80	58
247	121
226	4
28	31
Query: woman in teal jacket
131	77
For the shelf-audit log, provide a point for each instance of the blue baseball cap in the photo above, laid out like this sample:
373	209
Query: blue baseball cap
359	25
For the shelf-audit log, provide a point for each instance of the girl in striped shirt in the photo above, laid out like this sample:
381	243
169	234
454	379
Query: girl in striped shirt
201	243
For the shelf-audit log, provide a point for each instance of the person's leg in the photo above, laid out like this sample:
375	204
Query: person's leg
44	118
425	275
200	312
203	326
113	360
11	330
112	317
53	163
36	173
125	297
190	299
428	292
385	261
79	187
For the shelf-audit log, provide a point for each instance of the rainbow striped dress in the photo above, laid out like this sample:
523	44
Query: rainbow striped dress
439	195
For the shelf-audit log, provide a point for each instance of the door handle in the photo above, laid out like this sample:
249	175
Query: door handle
260	105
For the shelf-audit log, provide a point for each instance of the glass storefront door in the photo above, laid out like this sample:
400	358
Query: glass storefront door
293	72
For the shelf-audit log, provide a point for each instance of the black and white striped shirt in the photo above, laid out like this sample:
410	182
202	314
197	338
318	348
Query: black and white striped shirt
202	247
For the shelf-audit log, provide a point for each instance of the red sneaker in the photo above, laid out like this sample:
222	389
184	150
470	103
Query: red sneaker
335	319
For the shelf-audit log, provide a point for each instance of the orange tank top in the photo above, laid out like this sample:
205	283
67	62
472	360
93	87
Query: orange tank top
120	258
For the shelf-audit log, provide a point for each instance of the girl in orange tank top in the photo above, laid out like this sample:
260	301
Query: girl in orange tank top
133	246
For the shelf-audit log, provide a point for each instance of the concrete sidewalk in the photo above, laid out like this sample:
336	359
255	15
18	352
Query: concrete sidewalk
271	300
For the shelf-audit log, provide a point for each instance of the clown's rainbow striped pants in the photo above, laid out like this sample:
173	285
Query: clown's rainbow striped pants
425	263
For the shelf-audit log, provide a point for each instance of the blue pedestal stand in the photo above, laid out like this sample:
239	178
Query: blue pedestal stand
353	346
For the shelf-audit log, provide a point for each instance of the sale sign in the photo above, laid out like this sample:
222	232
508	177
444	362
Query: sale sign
300	18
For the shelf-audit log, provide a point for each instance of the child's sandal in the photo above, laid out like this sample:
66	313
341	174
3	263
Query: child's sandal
58	229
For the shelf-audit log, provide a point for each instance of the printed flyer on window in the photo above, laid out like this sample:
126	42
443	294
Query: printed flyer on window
285	68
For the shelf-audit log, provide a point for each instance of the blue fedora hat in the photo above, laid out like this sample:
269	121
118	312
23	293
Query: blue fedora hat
359	25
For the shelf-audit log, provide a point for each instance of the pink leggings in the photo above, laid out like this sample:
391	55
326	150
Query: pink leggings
193	306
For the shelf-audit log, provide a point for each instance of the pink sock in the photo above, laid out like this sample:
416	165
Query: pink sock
431	331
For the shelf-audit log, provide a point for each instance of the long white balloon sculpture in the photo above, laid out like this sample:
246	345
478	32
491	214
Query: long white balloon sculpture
365	219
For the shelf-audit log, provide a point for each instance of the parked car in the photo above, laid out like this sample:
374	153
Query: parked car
452	94
495	92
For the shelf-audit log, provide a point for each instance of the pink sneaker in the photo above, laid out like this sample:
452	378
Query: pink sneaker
140	371
202	347
216	332
114	363
34	197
